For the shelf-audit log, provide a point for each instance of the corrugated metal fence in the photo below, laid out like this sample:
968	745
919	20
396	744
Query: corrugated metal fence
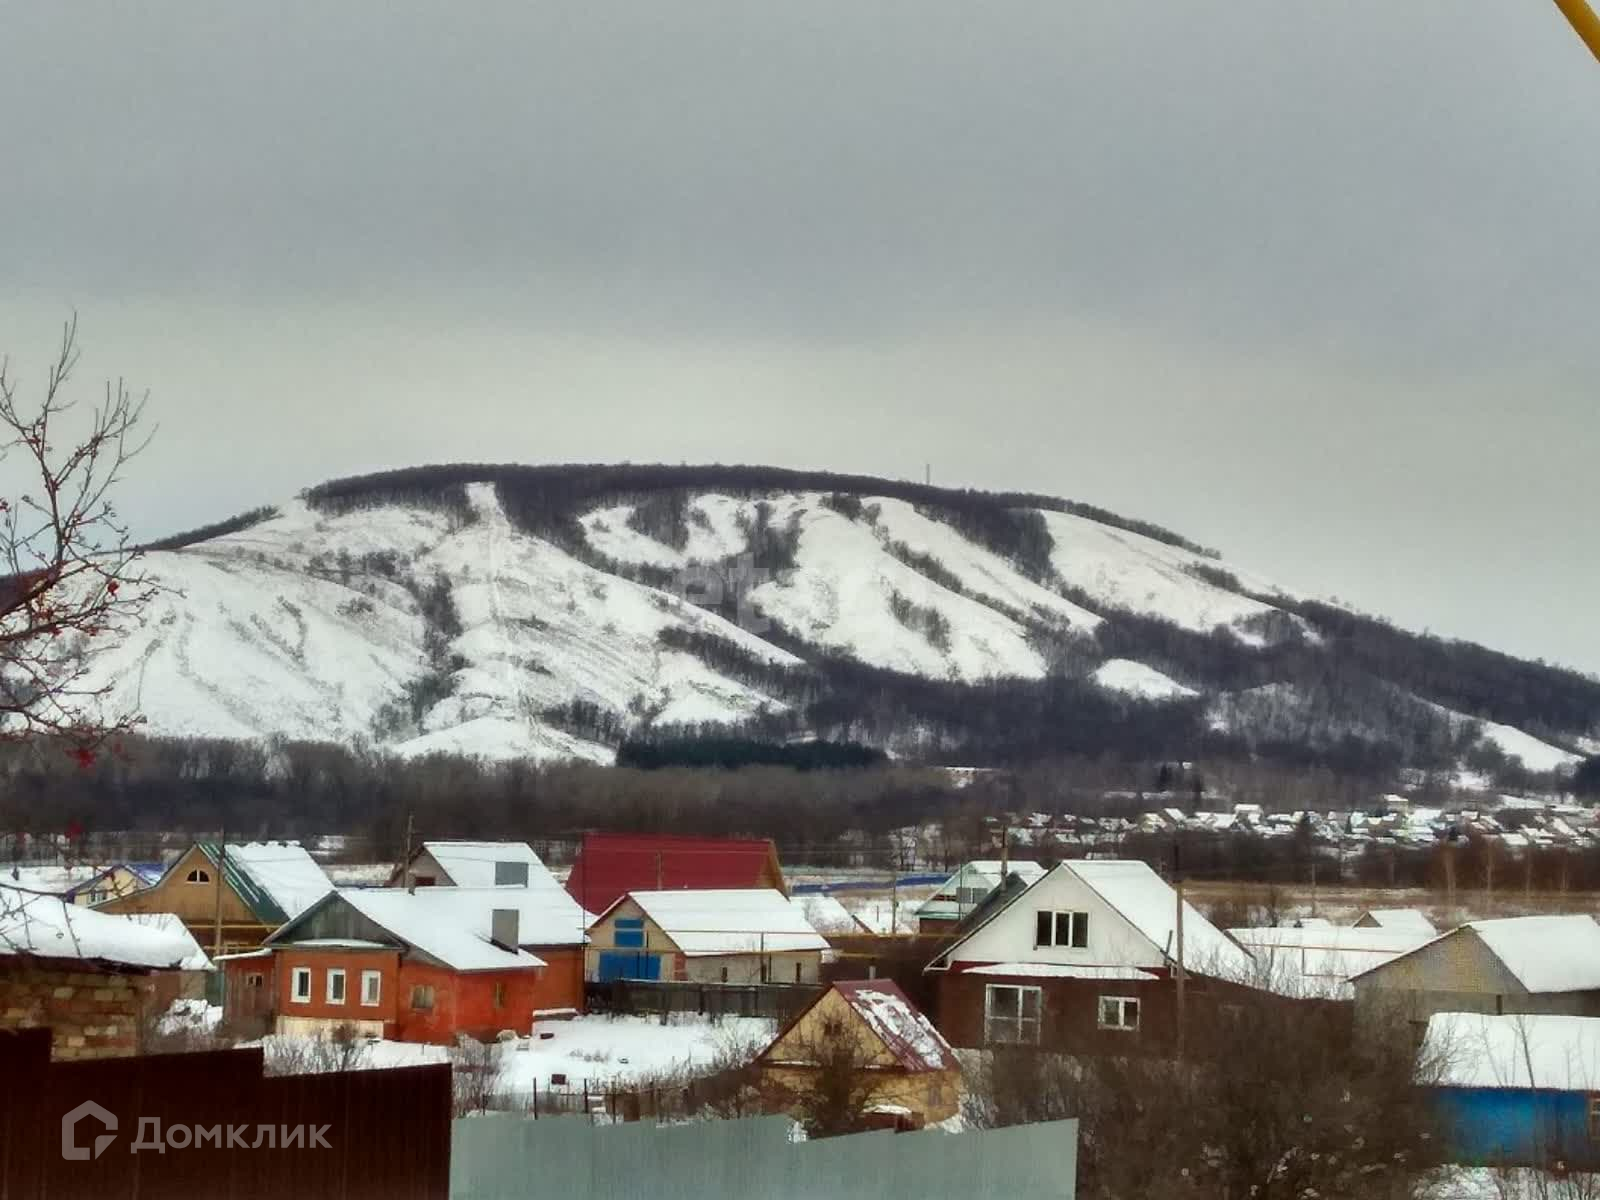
387	1133
495	1156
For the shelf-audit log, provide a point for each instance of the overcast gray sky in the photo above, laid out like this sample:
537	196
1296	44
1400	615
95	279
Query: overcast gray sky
1313	283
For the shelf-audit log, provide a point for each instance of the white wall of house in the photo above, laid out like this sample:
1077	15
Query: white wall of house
1010	936
796	967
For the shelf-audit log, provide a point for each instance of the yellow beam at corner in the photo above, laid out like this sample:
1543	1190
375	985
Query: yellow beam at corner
1583	21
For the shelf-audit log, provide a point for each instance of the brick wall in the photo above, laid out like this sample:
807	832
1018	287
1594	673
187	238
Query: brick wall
93	1014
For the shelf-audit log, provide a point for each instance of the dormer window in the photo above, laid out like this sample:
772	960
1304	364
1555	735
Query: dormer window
198	875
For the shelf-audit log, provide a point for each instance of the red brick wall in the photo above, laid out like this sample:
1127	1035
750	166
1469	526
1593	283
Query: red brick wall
318	960
464	1002
93	1014
1071	1019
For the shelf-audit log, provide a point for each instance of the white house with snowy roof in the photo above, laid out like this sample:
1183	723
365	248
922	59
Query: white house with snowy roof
725	935
1543	964
1085	957
959	895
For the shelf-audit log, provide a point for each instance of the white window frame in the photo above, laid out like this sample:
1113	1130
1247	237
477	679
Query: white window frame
1073	922
300	985
331	975
1022	1028
1117	1007
371	988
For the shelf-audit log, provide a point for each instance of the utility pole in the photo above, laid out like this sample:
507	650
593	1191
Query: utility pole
405	863
1183	1024
658	871
1177	872
1313	887
216	914
1488	874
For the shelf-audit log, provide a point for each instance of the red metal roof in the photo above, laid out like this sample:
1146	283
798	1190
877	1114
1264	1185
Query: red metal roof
610	865
909	1035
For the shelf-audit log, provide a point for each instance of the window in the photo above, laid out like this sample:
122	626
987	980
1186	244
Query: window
798	976
335	985
724	974
1119	1012
629	933
1011	1014
300	985
197	876
422	997
499	995
371	987
1061	929
253	979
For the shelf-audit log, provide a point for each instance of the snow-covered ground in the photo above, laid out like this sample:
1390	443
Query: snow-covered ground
599	1051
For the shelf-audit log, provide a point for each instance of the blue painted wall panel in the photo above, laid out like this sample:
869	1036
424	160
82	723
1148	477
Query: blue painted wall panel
1516	1126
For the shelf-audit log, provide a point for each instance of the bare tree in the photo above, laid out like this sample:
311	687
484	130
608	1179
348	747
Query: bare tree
73	582
840	1081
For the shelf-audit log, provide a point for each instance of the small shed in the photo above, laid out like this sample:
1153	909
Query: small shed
911	1068
1521	1090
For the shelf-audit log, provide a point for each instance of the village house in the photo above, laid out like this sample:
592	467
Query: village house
868	1025
961	894
474	865
422	966
726	936
1084	959
1548	964
608	865
257	887
94	979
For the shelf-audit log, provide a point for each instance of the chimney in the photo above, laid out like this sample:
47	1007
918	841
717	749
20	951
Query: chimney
504	927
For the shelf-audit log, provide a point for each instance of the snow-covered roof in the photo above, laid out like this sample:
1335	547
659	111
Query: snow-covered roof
1320	960
1149	904
1544	954
1523	1051
172	924
729	921
983	874
899	1024
825	914
1413	919
278	880
48	927
1062	971
451	925
471	864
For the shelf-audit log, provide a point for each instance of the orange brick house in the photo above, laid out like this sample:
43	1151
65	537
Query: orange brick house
419	966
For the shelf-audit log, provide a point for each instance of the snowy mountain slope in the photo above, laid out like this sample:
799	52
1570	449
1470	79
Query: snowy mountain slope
1127	570
550	613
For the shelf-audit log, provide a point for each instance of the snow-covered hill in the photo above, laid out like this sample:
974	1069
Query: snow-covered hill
466	617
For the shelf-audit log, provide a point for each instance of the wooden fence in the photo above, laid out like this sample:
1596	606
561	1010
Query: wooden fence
775	1001
384	1134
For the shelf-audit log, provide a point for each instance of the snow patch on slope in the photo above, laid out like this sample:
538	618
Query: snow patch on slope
1135	679
1535	755
1129	571
842	594
981	572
